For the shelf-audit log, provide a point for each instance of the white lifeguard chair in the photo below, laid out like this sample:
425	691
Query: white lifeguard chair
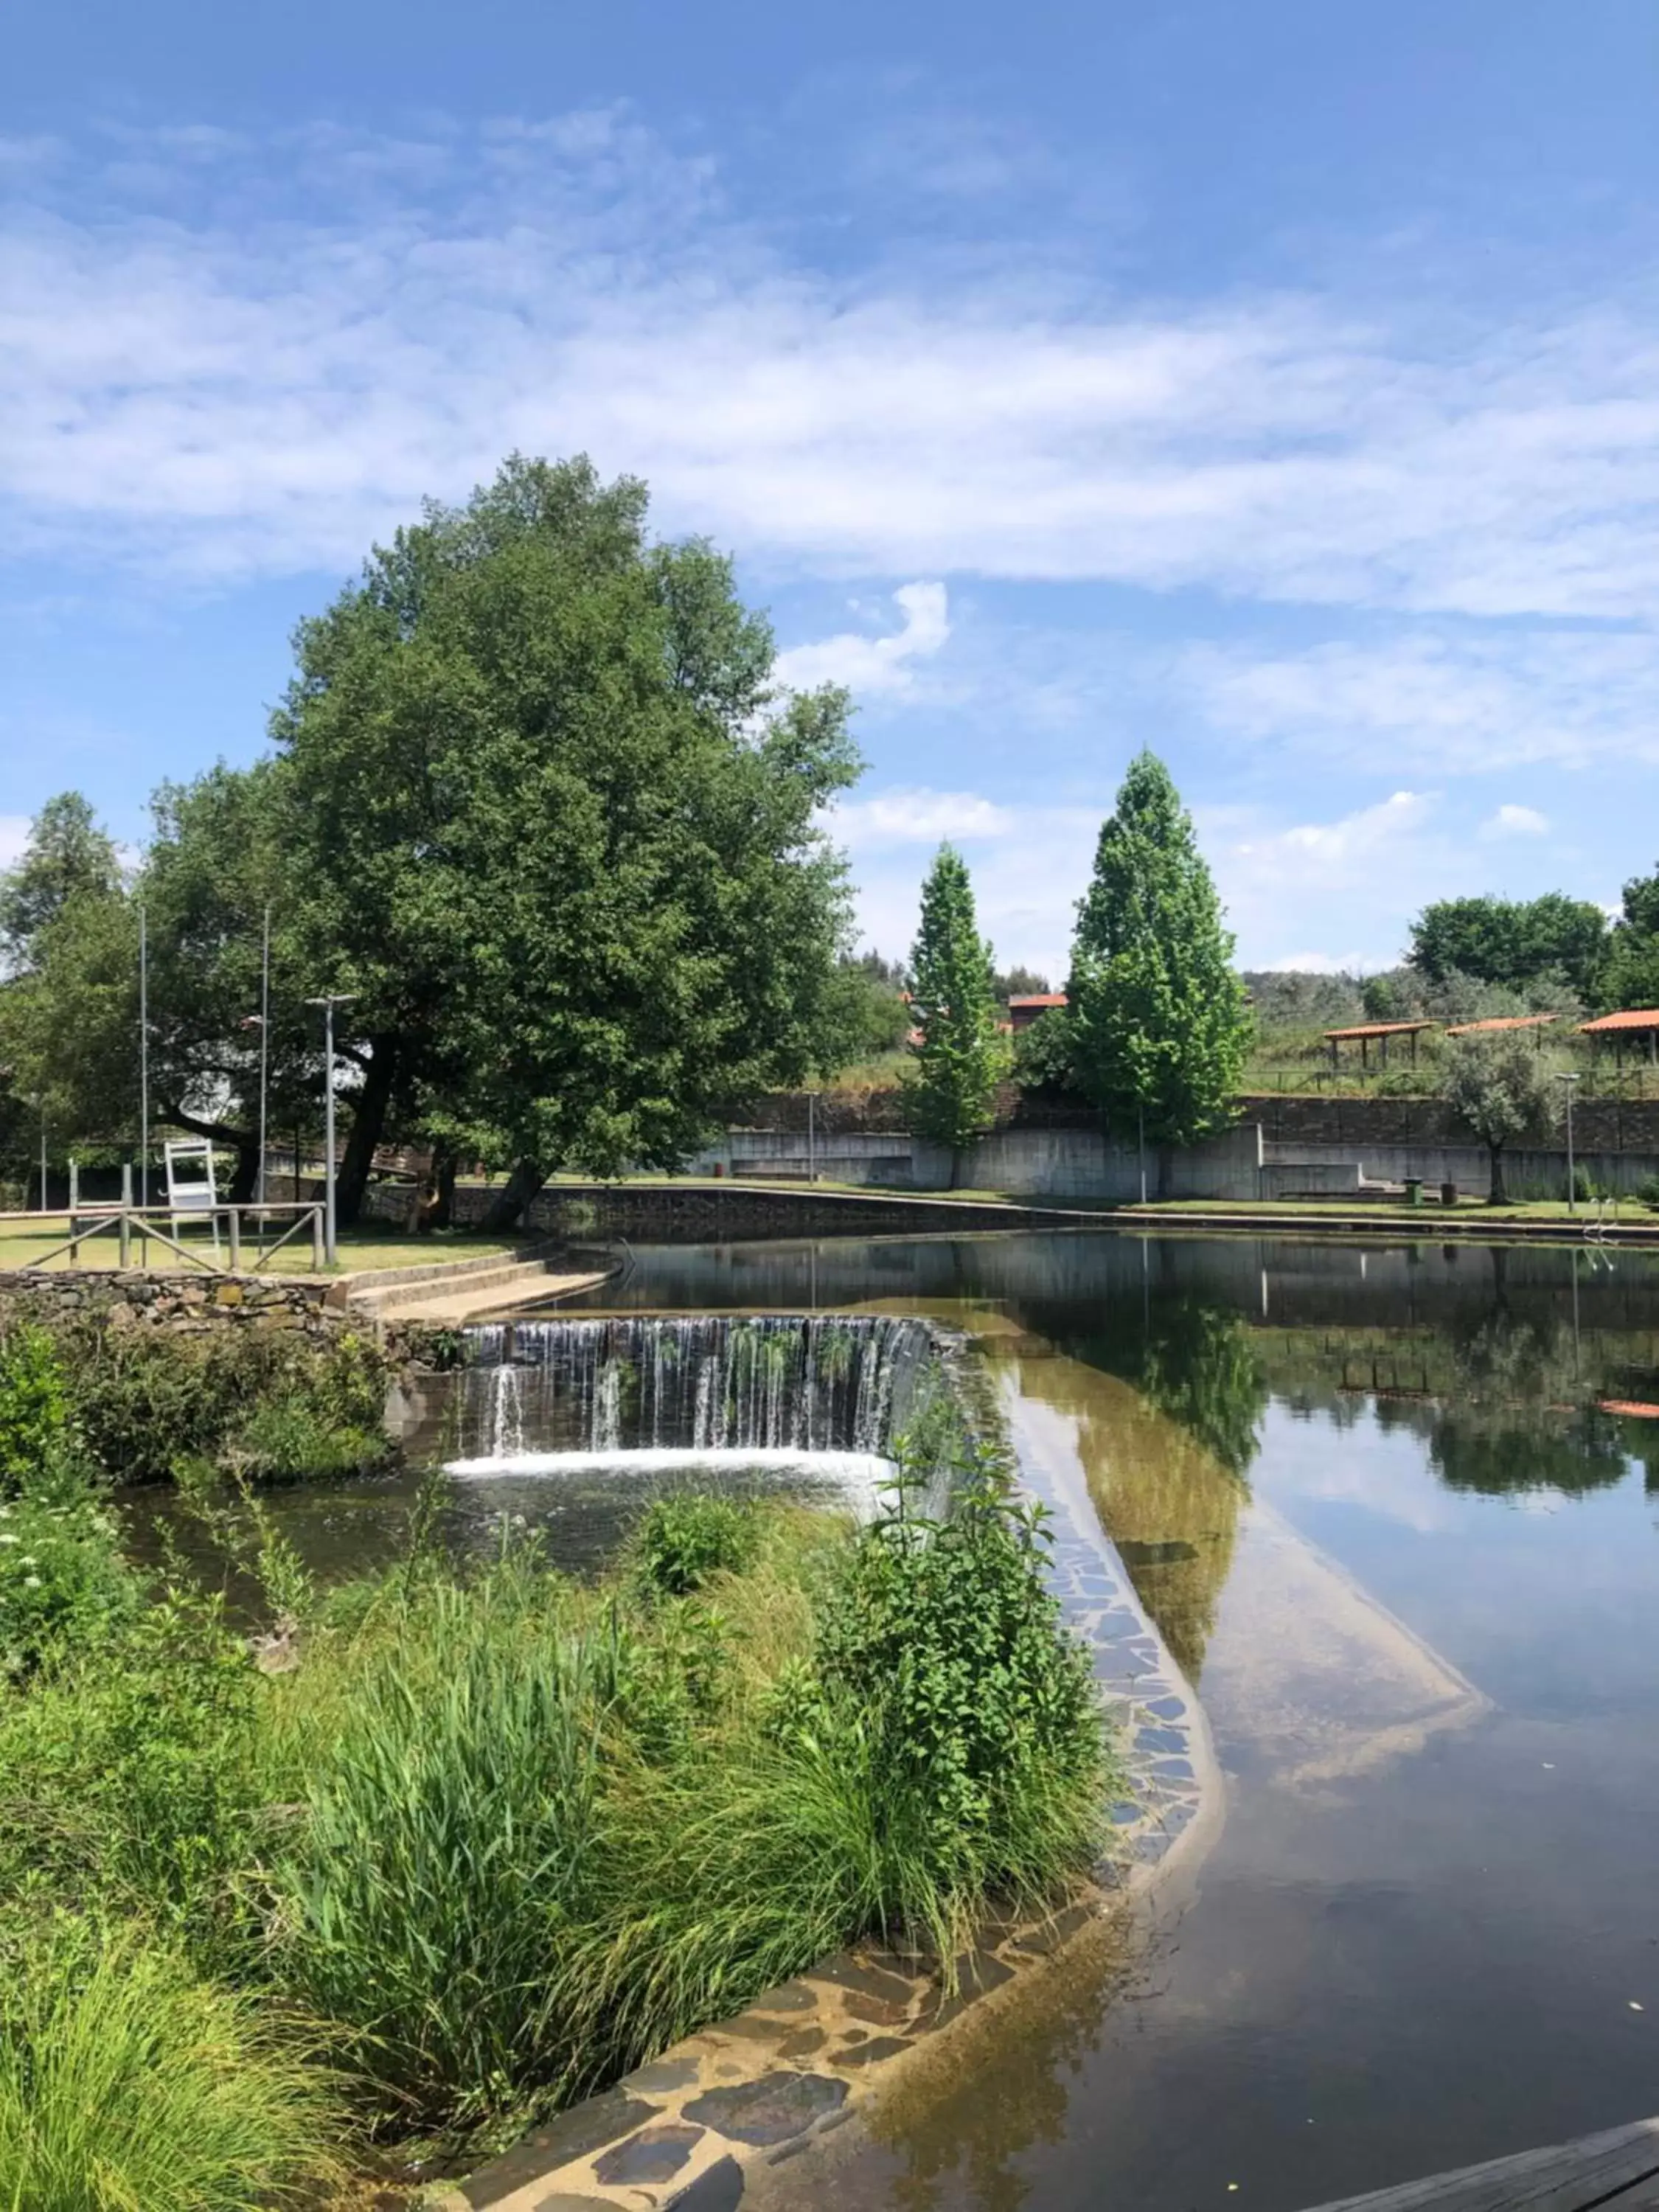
191	1190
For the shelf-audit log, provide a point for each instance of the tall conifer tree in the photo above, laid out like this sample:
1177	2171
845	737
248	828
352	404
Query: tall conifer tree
1160	1026
960	1056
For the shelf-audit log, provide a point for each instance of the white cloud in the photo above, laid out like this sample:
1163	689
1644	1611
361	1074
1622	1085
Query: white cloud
1511	821
918	817
1451	702
1282	884
228	357
867	664
13	838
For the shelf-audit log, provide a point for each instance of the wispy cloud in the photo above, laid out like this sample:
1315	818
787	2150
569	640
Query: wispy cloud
1450	701
237	356
1288	886
866	664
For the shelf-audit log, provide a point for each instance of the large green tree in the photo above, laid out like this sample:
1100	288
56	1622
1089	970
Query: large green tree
556	831
1159	1026
960	1054
1510	941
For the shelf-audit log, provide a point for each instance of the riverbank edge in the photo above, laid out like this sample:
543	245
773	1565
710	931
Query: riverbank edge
693	2129
1432	1226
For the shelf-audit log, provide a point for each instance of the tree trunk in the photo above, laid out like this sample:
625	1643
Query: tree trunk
445	1165
955	1182
1499	1194
368	1122
514	1199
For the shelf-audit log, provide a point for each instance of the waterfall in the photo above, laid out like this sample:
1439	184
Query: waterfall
766	1381
506	1412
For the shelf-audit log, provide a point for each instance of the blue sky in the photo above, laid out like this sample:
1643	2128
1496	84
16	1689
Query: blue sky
1275	385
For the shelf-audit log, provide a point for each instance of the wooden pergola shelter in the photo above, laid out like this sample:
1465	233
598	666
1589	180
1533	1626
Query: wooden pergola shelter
1377	1033
1496	1022
1638	1028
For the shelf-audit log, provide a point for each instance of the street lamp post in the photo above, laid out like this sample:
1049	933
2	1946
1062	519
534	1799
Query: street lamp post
264	1050
328	1005
1572	1190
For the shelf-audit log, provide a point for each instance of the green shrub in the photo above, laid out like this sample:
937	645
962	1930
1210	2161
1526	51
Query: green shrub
126	2086
278	1403
64	1587
682	1543
35	1422
133	1780
986	1738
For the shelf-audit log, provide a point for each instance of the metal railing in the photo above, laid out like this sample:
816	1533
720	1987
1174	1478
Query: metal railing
123	1223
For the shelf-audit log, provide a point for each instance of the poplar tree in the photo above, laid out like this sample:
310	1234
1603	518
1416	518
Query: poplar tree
960	1056
1158	1022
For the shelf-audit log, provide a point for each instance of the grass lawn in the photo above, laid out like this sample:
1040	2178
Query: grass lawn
375	1245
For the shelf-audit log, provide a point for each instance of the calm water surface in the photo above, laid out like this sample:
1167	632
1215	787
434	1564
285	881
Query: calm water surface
1376	1508
1421	1937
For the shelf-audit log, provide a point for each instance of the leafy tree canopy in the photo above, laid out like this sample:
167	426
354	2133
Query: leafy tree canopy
1509	941
871	1012
556	831
1017	983
1159	1016
1290	999
1630	975
68	856
960	1058
1502	1087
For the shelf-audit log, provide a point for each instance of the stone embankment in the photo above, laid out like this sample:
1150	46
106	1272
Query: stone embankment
179	1302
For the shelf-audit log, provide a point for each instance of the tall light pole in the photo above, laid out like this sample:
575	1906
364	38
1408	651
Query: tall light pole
143	1062
1572	1192
328	1005
264	1051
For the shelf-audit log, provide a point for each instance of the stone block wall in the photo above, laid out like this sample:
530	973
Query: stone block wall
179	1302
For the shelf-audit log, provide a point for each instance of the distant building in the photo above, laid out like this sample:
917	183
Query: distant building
1026	1009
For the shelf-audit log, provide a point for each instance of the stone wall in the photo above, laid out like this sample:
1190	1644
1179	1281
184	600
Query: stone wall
670	1213
1599	1125
173	1302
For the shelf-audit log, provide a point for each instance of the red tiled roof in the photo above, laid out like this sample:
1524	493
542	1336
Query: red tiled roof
1503	1021
1377	1029
1039	999
1635	1408
1646	1018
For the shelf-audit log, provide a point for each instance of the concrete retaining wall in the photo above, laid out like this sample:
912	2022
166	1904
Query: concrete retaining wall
1049	1163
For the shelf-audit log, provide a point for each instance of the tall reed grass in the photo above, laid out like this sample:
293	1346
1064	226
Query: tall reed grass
128	2086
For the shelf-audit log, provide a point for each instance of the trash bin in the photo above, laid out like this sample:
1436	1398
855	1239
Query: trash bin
1413	1190
1448	1193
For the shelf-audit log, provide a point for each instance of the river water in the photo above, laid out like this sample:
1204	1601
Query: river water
1374	1503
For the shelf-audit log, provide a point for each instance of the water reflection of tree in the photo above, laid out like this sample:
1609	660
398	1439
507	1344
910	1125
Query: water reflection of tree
1505	1402
1163	1498
1193	1361
1001	2087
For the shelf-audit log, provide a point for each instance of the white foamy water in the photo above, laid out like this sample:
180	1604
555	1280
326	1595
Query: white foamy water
859	1473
